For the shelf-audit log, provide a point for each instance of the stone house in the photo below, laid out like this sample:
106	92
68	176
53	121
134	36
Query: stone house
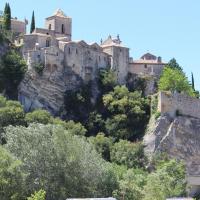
148	64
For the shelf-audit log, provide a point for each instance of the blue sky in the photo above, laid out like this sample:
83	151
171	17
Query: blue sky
167	28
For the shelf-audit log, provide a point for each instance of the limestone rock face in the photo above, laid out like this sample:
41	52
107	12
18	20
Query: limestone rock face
179	138
47	90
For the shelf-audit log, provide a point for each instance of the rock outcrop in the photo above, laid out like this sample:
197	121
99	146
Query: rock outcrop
179	138
47	90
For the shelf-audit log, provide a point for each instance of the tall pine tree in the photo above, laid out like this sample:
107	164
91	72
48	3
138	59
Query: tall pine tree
7	17
32	23
193	82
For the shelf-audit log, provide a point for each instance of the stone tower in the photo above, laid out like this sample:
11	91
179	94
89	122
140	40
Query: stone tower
119	57
60	24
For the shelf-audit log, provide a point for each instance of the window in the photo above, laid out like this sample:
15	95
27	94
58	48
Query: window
63	29
48	43
69	51
49	26
76	51
145	66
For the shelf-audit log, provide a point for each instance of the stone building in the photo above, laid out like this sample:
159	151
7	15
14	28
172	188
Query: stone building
119	57
147	65
65	63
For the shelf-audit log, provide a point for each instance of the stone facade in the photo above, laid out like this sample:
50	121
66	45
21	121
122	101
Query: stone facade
119	56
148	65
178	103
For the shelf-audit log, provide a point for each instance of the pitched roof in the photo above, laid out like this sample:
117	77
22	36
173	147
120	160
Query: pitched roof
149	56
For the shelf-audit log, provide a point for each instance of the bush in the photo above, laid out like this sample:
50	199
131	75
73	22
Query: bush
12	177
129	154
102	145
38	67
40	195
38	116
167	181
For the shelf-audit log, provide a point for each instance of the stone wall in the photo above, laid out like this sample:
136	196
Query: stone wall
85	60
177	103
146	69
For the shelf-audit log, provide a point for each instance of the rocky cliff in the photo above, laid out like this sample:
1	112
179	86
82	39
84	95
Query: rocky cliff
47	90
179	138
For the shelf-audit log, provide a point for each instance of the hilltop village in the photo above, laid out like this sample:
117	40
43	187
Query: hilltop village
67	63
93	121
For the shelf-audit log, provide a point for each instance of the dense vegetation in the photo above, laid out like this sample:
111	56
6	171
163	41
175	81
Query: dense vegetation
46	158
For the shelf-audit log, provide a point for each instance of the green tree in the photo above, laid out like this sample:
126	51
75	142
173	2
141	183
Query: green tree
167	181
12	177
12	70
32	22
175	80
11	113
108	80
75	128
127	113
129	154
174	65
38	116
40	195
131	185
62	164
102	145
95	123
7	17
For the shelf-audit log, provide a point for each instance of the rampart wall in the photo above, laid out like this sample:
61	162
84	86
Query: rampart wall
177	103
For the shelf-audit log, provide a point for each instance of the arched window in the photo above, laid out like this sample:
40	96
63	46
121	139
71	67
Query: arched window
63	29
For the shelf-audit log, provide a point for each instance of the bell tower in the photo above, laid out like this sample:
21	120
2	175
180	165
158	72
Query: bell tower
60	23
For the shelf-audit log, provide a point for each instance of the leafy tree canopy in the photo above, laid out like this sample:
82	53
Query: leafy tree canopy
40	195
62	164
175	81
12	70
128	112
174	65
12	178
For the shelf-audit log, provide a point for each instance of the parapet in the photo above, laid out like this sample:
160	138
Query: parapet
178	104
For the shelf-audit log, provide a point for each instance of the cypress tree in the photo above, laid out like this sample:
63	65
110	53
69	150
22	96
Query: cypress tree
7	17
193	82
32	23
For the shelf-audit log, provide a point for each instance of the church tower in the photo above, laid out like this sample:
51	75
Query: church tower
119	55
60	23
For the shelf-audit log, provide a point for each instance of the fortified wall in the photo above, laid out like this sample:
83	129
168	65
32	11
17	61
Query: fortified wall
178	103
